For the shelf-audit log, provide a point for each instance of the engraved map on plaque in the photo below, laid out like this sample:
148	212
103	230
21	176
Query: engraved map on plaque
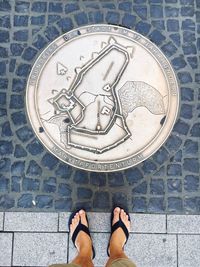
102	98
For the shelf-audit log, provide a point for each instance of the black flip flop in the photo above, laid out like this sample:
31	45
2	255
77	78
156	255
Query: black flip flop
117	225
80	227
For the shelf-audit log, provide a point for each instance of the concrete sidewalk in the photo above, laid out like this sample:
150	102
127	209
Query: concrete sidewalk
40	239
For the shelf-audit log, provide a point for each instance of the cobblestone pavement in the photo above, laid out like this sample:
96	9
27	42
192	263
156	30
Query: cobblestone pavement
33	179
156	240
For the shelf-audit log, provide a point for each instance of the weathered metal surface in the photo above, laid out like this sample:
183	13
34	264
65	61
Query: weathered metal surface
102	98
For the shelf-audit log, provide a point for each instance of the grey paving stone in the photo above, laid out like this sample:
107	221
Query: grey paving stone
39	249
152	250
63	221
181	224
148	223
100	222
1	221
31	222
189	250
146	250
141	223
5	249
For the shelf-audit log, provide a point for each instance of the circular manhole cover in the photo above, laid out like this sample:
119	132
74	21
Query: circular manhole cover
102	98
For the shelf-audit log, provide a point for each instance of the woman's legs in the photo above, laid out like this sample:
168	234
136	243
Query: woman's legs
83	242
118	238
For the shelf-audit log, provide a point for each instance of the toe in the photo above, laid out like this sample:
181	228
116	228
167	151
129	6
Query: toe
116	215
76	218
122	214
74	223
83	218
125	218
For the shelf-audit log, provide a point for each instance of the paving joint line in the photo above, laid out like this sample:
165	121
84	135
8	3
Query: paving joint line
67	248
3	220
177	250
58	221
166	224
12	252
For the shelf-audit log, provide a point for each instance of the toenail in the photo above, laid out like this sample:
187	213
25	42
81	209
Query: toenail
81	212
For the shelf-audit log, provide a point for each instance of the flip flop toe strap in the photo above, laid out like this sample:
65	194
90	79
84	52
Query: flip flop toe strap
114	227
80	227
120	224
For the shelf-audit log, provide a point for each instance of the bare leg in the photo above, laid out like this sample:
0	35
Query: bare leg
118	238
83	242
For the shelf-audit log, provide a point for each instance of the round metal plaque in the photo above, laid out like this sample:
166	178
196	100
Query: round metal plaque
102	98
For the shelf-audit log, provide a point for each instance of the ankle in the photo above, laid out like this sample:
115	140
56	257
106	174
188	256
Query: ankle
84	246
116	250
85	252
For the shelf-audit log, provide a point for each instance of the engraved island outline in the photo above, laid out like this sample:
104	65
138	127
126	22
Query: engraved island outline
95	120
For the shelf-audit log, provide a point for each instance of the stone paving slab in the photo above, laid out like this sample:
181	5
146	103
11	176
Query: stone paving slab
189	250
31	222
100	222
148	223
39	249
5	249
152	250
146	250
1	221
183	224
63	221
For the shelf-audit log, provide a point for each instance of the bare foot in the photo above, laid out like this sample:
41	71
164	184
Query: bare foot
118	238
83	241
